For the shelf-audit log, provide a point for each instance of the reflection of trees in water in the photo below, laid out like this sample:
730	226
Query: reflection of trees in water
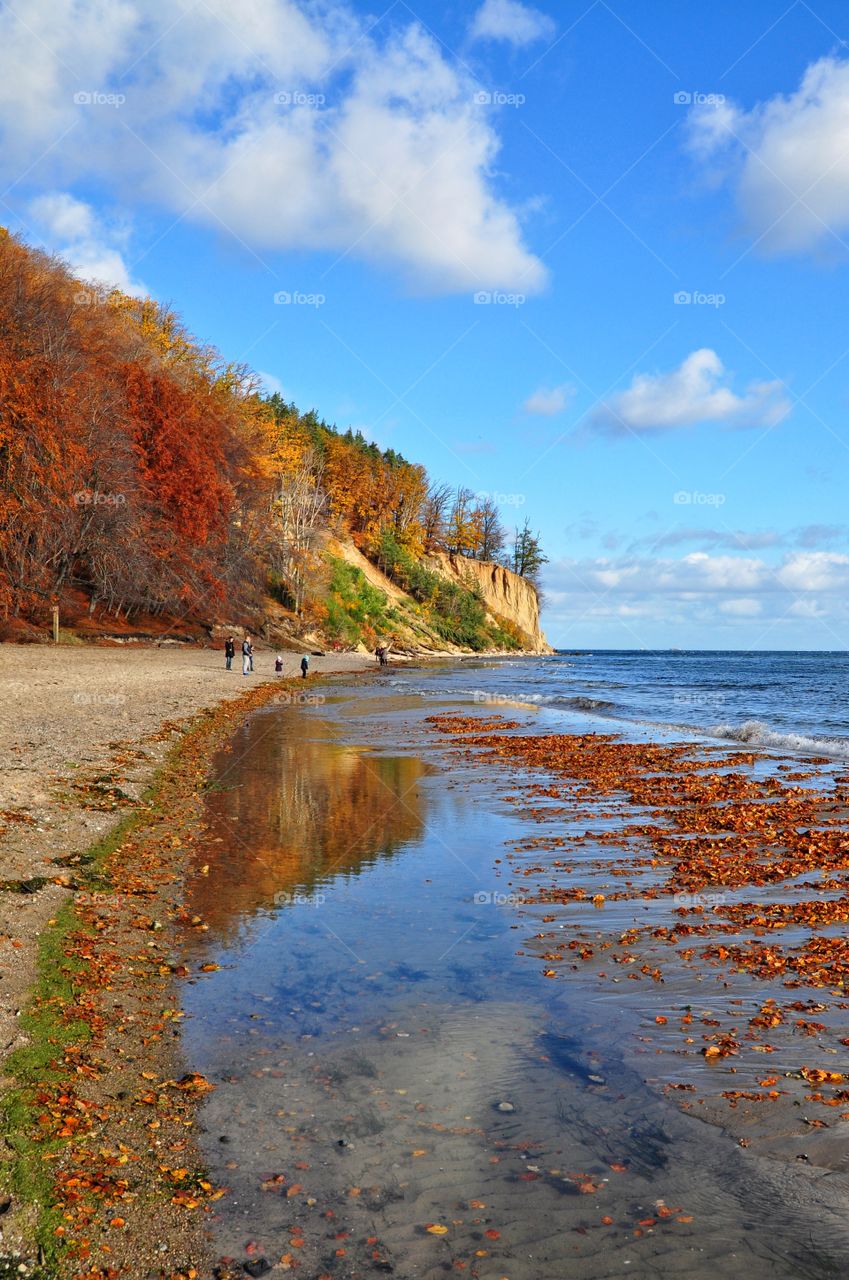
294	813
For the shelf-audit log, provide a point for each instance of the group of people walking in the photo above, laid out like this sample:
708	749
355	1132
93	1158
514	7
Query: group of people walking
248	657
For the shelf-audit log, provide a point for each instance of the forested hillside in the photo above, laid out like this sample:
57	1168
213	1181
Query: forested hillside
143	474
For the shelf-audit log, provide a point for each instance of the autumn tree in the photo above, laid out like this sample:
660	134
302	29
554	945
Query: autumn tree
463	531
124	450
435	512
492	533
528	556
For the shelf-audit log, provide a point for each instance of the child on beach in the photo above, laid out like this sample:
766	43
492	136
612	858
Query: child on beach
305	665
278	664
229	652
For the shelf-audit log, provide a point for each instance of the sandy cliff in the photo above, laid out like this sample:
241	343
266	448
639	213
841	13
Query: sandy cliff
505	594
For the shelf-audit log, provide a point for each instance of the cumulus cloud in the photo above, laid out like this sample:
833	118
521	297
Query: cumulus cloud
549	401
93	249
788	157
822	571
271	384
697	391
641	599
810	536
814	535
509	20
808	608
733	539
700	573
287	130
742	607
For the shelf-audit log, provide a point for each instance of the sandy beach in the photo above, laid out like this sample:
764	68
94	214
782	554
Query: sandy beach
85	730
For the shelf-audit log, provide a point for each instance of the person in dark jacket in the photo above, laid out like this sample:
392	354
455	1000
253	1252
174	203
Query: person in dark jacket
246	656
229	652
305	665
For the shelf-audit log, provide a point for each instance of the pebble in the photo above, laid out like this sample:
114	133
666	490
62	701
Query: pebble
257	1268
506	1106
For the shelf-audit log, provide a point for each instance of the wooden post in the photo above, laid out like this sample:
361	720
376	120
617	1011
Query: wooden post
55	624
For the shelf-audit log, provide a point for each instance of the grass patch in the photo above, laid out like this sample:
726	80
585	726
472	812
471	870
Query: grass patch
43	1070
455	613
28	1174
357	612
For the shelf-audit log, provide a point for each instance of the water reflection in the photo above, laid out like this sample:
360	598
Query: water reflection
397	1091
286	813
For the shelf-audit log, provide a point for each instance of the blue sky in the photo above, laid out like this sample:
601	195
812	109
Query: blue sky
327	191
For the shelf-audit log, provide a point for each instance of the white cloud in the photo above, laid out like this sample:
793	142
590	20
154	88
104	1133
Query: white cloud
699	573
807	608
271	384
549	401
92	248
734	539
697	391
286	130
790	159
742	607
634	600
509	20
815	571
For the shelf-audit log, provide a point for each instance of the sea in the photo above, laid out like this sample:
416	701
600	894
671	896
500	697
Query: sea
399	1088
793	702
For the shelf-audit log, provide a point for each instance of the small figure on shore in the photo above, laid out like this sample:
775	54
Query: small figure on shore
251	652
229	652
246	656
382	654
305	665
278	664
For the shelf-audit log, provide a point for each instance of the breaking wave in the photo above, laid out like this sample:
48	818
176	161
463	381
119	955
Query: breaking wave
757	734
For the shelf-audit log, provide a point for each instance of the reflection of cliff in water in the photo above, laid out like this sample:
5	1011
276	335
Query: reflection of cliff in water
284	814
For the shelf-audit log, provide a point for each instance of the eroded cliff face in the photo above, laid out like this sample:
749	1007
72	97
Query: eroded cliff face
505	594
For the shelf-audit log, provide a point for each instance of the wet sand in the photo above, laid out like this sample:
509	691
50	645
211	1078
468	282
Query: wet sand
84	731
453	1027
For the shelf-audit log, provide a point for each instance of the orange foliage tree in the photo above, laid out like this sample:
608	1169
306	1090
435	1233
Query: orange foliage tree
139	468
127	452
